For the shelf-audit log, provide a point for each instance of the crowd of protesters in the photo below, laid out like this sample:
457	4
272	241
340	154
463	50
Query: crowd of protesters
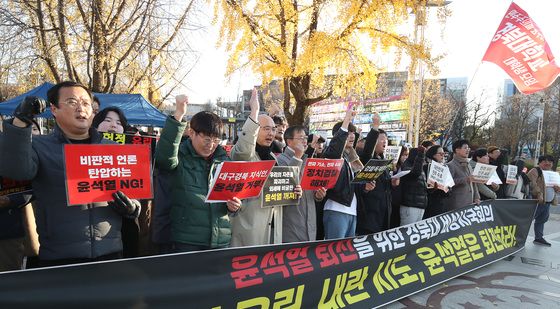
186	156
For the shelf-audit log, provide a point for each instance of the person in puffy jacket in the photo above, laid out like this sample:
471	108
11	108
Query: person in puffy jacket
413	187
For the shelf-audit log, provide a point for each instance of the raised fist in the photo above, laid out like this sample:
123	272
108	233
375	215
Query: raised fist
29	108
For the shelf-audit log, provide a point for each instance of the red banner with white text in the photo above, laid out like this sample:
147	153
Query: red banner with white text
321	173
520	49
94	172
239	179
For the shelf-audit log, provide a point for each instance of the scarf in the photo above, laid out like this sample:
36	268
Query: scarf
264	152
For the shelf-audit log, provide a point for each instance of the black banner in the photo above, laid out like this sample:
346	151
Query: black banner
373	169
361	272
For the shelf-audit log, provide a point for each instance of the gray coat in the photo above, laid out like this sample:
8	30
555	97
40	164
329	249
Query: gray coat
464	192
299	222
252	224
65	232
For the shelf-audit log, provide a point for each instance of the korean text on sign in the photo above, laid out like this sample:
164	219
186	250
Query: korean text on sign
238	179
320	173
94	172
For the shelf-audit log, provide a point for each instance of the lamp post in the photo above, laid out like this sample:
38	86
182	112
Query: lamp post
415	101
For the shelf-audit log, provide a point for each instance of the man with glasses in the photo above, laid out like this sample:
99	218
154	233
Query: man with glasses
195	225
81	233
253	224
465	192
299	221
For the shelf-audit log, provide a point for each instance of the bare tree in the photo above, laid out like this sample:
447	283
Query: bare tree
113	46
516	125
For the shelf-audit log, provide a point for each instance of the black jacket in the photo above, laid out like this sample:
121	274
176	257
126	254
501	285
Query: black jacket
343	190
413	185
436	200
374	207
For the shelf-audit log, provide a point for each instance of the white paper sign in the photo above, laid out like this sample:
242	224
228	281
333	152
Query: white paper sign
440	174
494	179
400	174
551	178
483	172
436	173
392	153
511	175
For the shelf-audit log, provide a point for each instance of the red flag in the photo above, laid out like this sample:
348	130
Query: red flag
520	49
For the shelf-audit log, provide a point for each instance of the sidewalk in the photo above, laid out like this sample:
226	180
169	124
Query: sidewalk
528	279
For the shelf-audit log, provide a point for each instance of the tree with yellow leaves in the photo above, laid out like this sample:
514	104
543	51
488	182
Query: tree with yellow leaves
317	48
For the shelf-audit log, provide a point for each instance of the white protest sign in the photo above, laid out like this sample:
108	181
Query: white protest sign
436	173
439	173
494	179
392	153
511	178
483	172
551	178
400	174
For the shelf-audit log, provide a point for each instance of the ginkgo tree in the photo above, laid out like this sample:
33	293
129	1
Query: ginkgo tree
317	48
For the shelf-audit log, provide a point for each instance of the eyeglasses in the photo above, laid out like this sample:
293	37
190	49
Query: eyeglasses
74	103
269	129
209	140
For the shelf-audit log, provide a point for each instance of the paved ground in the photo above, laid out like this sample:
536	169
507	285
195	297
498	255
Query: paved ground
528	279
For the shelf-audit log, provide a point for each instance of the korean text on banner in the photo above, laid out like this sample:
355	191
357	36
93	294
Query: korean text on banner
238	179
321	173
520	49
94	172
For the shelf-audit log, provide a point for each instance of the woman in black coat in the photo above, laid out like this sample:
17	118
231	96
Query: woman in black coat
436	197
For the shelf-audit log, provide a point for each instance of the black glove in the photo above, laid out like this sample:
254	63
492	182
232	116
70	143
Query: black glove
125	206
29	108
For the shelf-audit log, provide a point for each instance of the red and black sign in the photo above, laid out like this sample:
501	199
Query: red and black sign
238	179
94	172
321	173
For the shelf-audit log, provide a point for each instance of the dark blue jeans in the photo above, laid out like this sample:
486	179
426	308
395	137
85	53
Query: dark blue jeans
541	216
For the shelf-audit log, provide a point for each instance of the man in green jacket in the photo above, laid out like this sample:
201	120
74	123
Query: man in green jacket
195	225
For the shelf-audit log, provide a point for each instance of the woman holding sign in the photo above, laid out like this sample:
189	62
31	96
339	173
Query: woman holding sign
487	192
414	189
112	119
436	196
518	188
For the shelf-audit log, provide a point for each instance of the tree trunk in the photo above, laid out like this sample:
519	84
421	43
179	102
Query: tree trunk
298	116
98	77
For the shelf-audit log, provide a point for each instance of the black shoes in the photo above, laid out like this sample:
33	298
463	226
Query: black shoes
542	242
